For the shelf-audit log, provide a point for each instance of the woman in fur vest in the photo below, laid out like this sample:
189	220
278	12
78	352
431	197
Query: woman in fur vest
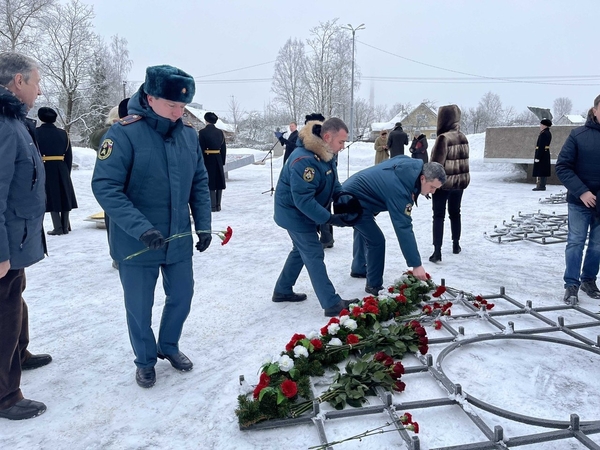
451	149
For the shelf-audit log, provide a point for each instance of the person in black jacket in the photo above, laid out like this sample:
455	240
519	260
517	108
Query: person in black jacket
212	143
541	163
418	148
578	168
397	140
290	142
57	155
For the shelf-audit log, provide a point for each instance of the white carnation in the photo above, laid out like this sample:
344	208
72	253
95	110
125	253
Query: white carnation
285	363
335	341
300	350
343	319
314	334
351	324
333	328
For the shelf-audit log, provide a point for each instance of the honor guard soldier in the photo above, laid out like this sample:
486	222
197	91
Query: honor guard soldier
212	143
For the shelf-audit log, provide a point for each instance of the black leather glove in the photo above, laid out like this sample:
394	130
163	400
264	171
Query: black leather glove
153	239
337	220
203	241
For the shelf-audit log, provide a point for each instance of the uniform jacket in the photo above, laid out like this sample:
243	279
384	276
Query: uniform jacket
52	141
306	184
382	153
96	137
211	138
418	148
391	186
578	163
396	141
150	174
290	144
541	165
451	148
22	186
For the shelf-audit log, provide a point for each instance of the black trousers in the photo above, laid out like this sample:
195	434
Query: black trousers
439	200
14	336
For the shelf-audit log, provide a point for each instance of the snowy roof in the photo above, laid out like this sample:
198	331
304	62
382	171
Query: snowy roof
199	114
378	126
575	118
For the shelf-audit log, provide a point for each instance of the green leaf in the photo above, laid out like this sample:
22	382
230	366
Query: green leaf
294	374
359	368
273	368
280	397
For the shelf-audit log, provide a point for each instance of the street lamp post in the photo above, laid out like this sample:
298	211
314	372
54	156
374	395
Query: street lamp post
353	30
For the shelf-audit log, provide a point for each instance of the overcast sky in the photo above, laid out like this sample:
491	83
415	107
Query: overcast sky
444	39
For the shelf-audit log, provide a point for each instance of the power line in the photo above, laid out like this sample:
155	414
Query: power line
482	77
234	70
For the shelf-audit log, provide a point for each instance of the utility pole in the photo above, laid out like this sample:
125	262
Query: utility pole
353	30
124	84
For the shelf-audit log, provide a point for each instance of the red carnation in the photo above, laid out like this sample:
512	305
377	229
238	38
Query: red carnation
437	324
490	305
257	390
400	298
295	338
264	379
227	236
344	312
397	370
427	276
352	339
289	388
423	349
427	309
399	386
423	340
317	344
420	331
391	289
413	426
439	291
406	418
371	308
357	311
414	324
324	330
380	356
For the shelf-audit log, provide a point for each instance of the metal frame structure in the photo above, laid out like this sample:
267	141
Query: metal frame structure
491	436
541	228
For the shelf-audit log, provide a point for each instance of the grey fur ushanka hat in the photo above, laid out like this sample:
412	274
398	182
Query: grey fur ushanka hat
170	83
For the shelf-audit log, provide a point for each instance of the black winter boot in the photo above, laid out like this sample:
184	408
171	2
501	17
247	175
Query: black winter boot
57	224
456	248
437	255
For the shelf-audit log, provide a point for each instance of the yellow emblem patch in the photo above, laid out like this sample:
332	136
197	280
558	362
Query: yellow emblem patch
105	149
309	174
408	209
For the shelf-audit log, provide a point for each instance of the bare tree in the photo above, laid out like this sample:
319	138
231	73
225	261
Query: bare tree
328	69
288	79
526	118
381	113
119	66
237	114
489	112
19	22
562	106
66	57
363	116
401	109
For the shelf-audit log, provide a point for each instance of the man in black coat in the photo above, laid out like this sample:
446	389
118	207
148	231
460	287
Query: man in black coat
542	168
57	155
214	149
290	142
397	140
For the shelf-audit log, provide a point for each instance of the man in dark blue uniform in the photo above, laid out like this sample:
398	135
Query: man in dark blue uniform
149	176
393	185
212	143
305	188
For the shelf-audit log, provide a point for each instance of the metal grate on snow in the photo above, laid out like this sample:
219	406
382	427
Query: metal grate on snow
561	197
491	436
541	228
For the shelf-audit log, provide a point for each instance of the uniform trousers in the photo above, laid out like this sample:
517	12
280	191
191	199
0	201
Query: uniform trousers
307	252
14	336
368	250
139	283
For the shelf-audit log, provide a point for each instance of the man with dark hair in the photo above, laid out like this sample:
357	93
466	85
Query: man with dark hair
212	143
397	140
307	183
393	185
148	177
578	168
22	243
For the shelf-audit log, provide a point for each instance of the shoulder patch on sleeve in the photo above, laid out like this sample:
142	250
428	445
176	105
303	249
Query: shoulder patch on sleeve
309	174
408	209
105	149
130	119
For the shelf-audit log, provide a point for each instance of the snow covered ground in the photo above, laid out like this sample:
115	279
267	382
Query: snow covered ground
76	314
